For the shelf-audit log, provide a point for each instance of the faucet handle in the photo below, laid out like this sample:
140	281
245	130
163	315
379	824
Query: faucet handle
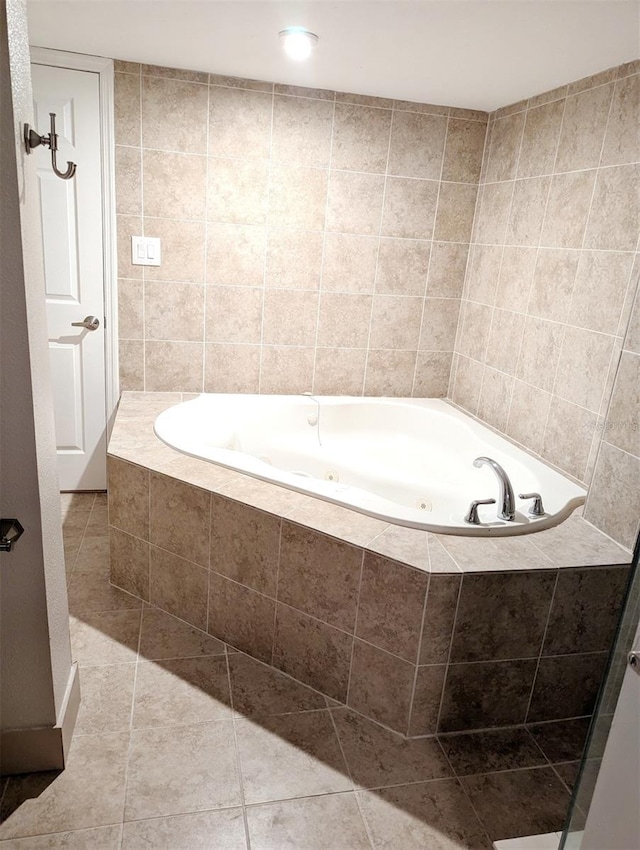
472	516
537	508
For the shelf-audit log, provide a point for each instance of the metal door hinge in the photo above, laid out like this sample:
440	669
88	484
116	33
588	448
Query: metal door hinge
10	530
634	661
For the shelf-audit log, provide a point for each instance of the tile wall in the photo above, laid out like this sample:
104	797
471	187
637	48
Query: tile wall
311	240
418	650
552	273
314	240
614	496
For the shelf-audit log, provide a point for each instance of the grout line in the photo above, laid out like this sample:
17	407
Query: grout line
456	778
375	272
277	594
418	652
355	629
131	730
448	661
238	759
426	280
205	276
542	643
266	226
569	790
143	276
350	775
320	289
495	291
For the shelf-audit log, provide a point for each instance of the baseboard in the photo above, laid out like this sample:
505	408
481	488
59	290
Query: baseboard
44	747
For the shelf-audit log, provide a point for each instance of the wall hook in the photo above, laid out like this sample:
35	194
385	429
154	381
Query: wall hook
33	139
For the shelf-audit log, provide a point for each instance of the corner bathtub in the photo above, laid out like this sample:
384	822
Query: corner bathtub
405	461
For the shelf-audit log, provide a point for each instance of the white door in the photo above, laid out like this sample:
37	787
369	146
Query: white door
613	822
71	212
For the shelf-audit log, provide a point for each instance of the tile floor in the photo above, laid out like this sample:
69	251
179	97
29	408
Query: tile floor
183	743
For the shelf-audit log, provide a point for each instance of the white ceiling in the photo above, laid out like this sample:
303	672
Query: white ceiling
479	54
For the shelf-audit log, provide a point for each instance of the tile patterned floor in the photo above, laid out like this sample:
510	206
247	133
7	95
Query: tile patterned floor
183	743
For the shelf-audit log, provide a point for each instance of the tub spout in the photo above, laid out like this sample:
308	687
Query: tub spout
506	499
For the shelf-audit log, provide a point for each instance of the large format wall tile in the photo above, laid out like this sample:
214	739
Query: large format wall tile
486	694
391	605
282	188
313	652
555	247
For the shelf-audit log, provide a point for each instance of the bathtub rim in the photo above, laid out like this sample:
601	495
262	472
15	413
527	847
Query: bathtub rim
313	488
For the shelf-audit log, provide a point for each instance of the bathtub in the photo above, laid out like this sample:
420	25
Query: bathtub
405	461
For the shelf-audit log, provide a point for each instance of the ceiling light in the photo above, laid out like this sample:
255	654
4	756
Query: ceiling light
298	42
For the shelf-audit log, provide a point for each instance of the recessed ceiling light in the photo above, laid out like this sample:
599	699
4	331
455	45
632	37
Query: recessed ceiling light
298	42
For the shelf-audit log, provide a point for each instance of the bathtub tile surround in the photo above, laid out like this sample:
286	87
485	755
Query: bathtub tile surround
311	240
422	634
319	240
551	279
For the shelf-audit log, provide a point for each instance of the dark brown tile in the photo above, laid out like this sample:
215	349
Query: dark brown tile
129	559
319	575
391	605
426	699
178	586
485	694
261	690
502	615
241	617
423	815
566	686
442	600
381	686
568	772
128	488
585	610
179	518
164	636
312	652
518	802
563	740
291	755
245	544
377	757
484	752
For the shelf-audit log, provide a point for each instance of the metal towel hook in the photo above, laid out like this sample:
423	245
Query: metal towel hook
33	139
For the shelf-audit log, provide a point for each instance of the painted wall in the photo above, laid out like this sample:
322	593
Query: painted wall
552	274
34	630
311	240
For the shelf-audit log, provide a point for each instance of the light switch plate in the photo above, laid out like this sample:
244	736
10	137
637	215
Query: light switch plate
145	251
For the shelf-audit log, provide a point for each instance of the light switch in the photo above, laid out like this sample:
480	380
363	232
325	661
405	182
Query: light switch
145	251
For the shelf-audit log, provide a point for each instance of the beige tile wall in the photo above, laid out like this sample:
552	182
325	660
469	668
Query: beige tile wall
311	240
614	496
551	277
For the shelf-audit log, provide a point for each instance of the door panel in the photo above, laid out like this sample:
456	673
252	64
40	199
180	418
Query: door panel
71	212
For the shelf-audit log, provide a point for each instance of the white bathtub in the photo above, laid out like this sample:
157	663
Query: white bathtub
407	461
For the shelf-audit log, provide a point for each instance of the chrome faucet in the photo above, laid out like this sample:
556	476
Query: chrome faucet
506	499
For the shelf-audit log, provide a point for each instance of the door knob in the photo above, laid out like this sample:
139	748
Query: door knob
91	323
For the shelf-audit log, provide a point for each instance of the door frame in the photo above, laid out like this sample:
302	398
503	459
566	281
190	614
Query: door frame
104	68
